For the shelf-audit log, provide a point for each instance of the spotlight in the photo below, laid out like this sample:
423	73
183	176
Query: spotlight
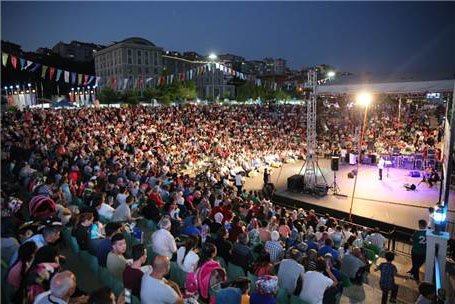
364	99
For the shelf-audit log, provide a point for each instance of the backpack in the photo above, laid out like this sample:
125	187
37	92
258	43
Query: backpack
199	281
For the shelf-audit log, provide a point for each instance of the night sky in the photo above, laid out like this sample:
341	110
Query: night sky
381	38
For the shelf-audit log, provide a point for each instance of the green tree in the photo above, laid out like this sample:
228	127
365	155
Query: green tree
151	93
131	97
282	95
107	95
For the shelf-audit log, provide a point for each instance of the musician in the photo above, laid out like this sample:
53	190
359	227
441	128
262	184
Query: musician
431	176
381	164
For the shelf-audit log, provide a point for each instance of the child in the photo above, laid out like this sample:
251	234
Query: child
387	280
427	293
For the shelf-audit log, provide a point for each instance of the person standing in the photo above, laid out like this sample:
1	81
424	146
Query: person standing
266	177
239	182
419	249
381	164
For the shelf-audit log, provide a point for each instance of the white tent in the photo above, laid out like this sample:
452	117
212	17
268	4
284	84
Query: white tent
439	86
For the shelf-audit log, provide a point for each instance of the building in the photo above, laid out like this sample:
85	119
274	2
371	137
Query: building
254	67
275	66
11	48
193	56
76	50
211	83
233	61
133	58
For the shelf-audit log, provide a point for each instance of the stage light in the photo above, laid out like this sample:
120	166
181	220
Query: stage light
6	88
27	91
439	218
22	92
91	92
364	99
10	87
17	86
212	56
29	85
331	74
33	91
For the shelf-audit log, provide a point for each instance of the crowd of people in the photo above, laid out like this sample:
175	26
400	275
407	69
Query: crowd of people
106	172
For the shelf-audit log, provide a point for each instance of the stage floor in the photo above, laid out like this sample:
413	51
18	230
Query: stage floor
385	201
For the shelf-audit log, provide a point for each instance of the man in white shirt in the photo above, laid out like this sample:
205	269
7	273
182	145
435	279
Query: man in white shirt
104	210
377	239
62	287
315	283
155	289
290	270
381	164
163	241
239	182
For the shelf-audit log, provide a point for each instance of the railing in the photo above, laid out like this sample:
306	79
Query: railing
397	241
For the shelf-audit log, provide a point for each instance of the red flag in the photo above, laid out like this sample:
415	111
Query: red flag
14	61
51	72
114	84
85	79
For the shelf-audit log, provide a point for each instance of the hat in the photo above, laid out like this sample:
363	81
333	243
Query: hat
275	236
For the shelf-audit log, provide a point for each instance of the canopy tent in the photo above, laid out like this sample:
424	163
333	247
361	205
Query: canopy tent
439	86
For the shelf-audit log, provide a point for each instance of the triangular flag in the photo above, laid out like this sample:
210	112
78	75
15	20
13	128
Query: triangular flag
97	81
29	64
51	72
66	76
59	73
73	77
4	59
22	61
36	67
125	83
43	71
91	79
148	79
85	80
14	61
79	79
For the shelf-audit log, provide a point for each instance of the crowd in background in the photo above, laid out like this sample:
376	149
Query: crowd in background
106	171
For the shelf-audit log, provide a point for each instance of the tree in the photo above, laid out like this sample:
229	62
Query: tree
131	97
107	95
151	93
282	95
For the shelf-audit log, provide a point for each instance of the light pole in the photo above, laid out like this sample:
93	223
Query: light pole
363	99
212	58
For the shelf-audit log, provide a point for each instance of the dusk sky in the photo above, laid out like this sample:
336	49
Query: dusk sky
388	38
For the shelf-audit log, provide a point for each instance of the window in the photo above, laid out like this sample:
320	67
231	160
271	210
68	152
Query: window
147	70
146	58
139	57
155	59
130	60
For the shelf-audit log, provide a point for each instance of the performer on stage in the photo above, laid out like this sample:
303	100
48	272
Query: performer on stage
381	164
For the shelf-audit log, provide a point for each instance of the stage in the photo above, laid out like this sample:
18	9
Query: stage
385	201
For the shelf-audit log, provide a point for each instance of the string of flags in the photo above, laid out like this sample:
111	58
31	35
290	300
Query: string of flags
49	72
139	82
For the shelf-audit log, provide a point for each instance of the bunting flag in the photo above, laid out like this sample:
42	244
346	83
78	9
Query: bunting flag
66	76
29	64
36	67
148	80
73	77
91	79
79	79
22	61
97	81
43	71
51	72
172	78
4	59
14	61
59	72
114	83
125	83
86	79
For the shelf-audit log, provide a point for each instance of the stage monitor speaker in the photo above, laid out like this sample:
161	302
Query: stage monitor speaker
335	164
295	182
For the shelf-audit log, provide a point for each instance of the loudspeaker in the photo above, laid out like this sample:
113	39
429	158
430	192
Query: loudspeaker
295	182
350	175
335	163
414	173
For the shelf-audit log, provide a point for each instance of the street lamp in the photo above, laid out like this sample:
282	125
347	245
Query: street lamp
212	58
331	74
363	99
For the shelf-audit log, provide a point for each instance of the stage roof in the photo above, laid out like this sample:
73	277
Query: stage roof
435	86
